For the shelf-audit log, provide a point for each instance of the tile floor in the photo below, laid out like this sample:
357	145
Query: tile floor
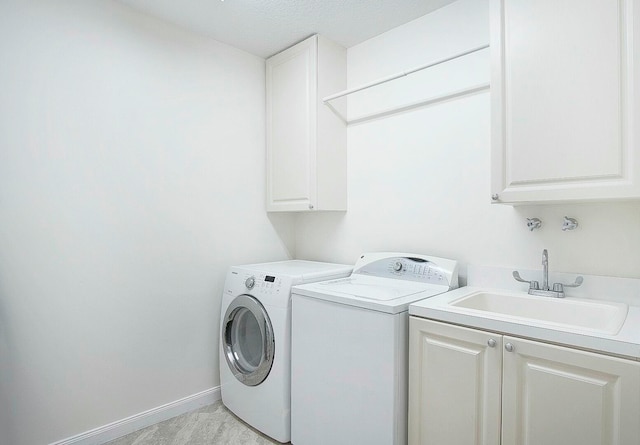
213	424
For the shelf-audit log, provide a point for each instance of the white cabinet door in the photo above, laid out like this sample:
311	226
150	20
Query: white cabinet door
553	395
306	142
454	384
291	130
564	94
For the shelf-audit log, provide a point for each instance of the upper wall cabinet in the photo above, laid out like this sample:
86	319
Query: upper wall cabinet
306	140
565	99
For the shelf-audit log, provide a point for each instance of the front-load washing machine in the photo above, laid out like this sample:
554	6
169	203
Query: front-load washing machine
255	346
349	371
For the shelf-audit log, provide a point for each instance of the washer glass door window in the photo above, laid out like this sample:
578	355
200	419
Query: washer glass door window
248	340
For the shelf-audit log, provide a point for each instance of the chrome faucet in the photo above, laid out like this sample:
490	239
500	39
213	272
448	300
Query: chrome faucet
545	291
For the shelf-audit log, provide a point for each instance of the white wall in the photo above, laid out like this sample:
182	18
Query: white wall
419	180
131	178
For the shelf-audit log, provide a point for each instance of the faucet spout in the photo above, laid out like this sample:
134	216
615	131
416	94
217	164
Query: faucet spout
545	270
545	290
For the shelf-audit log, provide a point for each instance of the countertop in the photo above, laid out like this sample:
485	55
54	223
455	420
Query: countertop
625	343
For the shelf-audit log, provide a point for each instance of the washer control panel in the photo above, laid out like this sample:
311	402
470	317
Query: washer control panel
421	270
411	267
263	283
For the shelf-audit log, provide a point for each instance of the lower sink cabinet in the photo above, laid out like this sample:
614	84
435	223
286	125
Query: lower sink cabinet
473	387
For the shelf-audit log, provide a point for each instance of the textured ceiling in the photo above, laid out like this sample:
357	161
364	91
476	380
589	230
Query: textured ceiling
265	27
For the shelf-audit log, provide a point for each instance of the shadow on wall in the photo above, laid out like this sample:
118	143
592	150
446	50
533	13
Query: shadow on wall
331	223
284	226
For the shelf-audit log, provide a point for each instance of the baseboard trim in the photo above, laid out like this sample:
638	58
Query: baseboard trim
144	419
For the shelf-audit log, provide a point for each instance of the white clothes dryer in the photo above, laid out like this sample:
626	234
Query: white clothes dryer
255	340
349	357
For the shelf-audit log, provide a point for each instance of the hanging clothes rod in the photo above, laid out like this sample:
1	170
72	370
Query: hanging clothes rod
402	74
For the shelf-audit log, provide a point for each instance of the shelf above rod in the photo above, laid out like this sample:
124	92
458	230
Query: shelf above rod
402	74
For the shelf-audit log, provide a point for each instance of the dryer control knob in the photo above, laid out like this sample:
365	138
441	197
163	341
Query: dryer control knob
398	266
250	282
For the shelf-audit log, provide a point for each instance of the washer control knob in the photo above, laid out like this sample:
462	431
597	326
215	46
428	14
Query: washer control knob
398	266
250	282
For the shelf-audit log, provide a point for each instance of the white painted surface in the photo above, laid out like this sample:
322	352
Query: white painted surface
265	27
564	101
555	396
291	130
419	181
454	384
550	394
131	178
115	244
556	85
306	141
147	418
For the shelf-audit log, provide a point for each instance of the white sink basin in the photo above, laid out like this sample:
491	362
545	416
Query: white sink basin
572	313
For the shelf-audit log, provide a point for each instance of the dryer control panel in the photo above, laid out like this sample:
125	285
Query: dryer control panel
411	267
257	284
263	283
271	283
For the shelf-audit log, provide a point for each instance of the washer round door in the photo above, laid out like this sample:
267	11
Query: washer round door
248	341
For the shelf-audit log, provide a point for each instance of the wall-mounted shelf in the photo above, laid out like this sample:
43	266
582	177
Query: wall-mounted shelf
459	92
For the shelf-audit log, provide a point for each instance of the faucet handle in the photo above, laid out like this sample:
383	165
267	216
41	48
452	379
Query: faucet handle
533	284
577	283
558	287
517	277
569	224
533	223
